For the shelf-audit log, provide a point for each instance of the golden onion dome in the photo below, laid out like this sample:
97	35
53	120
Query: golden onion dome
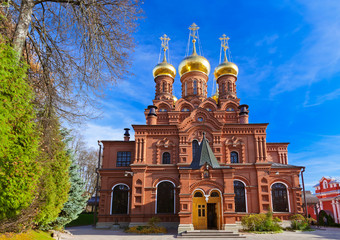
164	68
215	96
194	62
226	68
174	98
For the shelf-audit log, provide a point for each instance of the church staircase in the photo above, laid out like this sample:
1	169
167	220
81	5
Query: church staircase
209	234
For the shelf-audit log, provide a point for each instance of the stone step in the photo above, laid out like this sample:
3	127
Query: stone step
209	231
206	233
209	234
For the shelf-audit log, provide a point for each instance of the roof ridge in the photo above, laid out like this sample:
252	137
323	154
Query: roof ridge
204	156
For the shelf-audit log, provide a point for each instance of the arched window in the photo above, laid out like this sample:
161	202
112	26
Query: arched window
195	86
223	87
214	194
195	148
185	89
166	158
325	185
120	199
234	157
279	198
198	194
229	86
164	86
165	197
240	197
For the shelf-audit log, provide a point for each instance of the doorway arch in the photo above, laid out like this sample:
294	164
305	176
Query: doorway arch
207	209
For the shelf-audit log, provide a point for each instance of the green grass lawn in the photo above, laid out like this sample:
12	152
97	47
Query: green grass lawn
30	235
82	220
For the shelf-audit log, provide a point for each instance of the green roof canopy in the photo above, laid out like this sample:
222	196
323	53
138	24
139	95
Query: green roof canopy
204	155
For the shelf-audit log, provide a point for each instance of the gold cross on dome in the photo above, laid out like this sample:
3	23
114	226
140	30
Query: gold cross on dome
165	42
193	31
224	42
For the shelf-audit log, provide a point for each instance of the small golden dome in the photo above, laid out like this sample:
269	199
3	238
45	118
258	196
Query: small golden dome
215	97
226	68
174	98
164	68
194	62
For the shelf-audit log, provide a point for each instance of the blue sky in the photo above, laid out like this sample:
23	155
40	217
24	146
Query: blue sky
288	54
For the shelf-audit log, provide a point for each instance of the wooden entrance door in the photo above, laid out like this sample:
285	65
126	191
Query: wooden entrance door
199	211
207	215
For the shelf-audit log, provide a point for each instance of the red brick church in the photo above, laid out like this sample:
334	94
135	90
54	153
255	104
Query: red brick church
197	163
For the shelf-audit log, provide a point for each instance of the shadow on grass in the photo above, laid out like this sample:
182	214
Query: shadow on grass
82	220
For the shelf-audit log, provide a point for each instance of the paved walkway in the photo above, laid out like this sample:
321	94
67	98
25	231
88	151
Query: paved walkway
89	233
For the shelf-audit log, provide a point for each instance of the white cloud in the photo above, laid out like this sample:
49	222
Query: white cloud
320	159
322	98
267	40
319	56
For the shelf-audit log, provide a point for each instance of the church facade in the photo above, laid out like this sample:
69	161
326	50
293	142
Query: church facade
197	163
328	193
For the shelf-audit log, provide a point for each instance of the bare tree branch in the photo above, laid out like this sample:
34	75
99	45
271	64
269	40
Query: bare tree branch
79	48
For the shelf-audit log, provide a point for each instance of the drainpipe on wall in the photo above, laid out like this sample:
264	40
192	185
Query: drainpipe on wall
304	192
97	185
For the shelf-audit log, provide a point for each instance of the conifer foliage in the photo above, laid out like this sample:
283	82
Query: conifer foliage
19	139
34	162
55	181
76	198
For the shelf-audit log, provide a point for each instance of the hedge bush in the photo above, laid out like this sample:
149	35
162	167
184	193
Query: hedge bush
261	223
299	222
146	230
150	229
329	219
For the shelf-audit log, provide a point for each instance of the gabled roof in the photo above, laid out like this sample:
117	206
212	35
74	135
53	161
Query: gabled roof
205	156
311	198
331	179
335	180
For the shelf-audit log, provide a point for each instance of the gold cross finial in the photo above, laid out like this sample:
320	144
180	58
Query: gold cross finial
193	33
224	44
165	44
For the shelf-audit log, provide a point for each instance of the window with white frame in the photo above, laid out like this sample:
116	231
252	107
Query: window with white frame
120	199
165	197
240	196
280	198
325	184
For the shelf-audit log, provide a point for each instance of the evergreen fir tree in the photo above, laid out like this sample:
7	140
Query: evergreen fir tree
76	198
19	139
